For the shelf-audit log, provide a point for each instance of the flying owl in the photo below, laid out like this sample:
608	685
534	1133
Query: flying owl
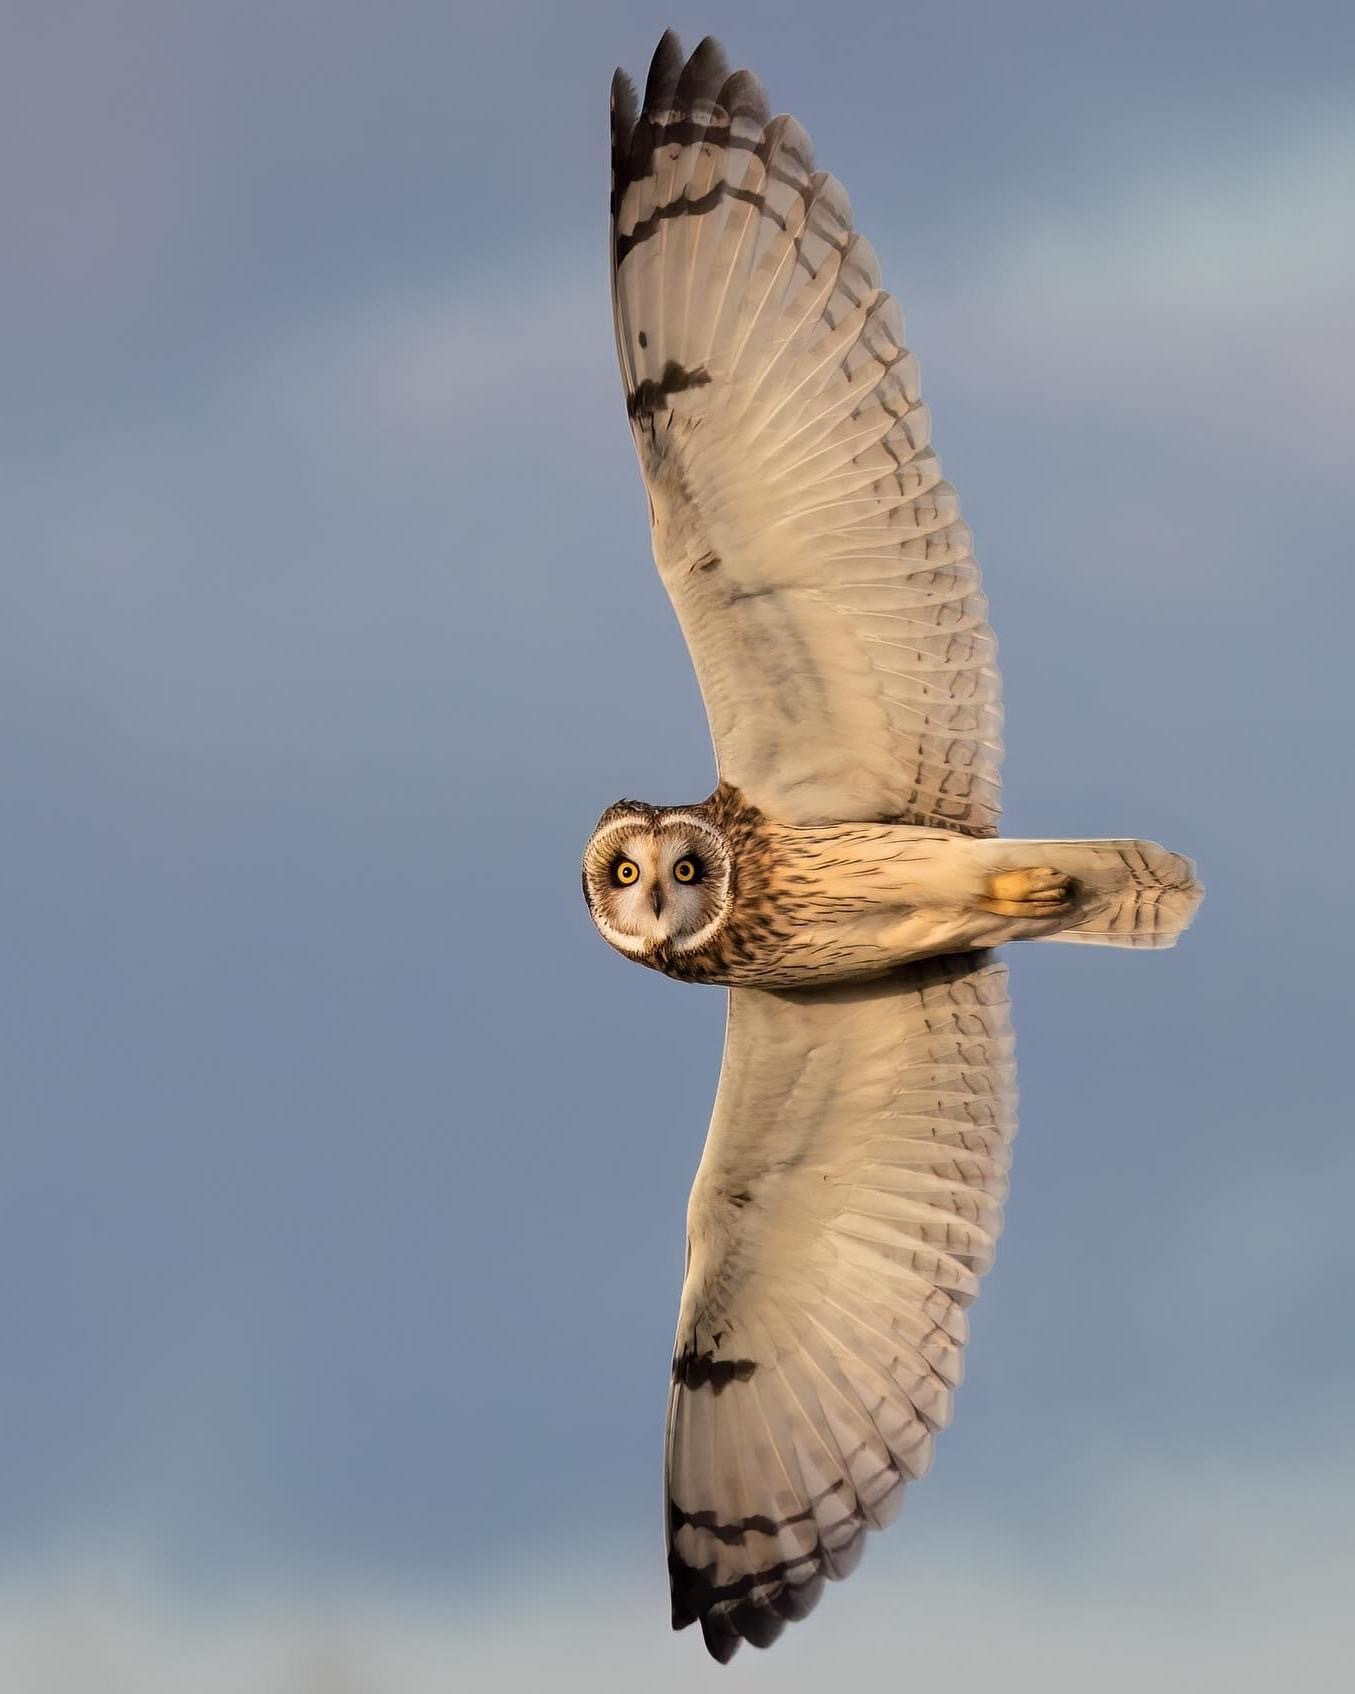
845	880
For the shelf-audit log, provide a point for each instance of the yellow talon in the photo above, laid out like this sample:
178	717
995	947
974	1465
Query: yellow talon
1038	892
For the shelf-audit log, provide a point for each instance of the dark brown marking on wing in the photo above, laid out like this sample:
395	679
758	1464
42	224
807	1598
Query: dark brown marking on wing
704	1370
652	393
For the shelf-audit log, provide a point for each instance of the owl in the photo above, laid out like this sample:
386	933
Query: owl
845	881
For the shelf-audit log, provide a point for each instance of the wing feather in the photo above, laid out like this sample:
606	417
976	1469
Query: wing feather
847	1203
796	500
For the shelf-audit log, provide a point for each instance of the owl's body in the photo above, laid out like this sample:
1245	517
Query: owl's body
797	905
846	880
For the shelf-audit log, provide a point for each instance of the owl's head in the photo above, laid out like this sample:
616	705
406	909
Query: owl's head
658	880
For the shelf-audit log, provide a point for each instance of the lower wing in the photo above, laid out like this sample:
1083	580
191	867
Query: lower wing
847	1203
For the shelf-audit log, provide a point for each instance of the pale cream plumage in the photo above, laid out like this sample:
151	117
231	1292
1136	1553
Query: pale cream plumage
846	1206
817	559
843	877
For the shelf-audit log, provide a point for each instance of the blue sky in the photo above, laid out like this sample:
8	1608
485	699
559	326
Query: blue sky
345	1167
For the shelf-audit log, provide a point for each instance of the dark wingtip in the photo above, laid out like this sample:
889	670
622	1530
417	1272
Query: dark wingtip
721	1638
664	70
794	1601
703	76
731	1614
623	101
623	129
743	96
757	1623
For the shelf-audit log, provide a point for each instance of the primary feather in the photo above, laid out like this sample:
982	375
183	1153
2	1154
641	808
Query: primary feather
847	1203
816	558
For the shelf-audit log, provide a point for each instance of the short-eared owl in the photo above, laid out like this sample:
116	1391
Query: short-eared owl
845	880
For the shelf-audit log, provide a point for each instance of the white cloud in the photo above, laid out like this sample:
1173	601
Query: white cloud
1208	302
1203	306
1217	237
1166	1580
452	373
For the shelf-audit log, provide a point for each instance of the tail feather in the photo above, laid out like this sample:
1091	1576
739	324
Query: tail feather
1129	893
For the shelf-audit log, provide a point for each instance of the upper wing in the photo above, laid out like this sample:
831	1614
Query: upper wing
846	1205
816	558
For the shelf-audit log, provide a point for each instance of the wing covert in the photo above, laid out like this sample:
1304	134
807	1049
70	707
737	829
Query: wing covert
817	560
846	1205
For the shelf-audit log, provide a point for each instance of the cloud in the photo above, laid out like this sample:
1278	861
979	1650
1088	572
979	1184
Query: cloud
437	378
1162	347
1164	1578
1216	236
1198	302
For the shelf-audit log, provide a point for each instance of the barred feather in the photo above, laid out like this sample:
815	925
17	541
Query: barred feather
847	1204
817	560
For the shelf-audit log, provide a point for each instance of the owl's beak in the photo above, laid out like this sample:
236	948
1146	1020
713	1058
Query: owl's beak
656	901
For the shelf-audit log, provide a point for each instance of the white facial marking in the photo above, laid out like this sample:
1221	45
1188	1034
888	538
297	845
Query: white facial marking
657	882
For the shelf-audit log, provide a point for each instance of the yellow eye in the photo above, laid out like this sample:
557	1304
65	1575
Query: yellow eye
687	870
626	871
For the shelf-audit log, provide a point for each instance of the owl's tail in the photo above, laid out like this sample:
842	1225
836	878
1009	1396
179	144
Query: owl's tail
1129	893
